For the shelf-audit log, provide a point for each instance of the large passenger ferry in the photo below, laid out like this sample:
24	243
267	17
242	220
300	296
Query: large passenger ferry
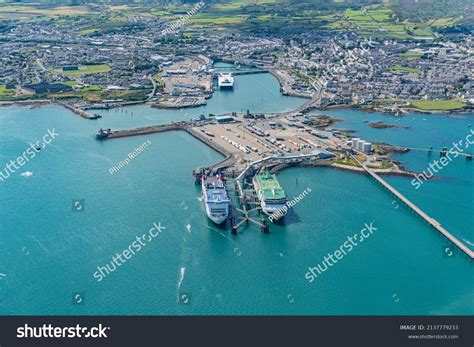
215	198
225	81
271	195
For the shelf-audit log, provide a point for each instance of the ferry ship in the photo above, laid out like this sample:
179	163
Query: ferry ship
215	198
271	195
225	81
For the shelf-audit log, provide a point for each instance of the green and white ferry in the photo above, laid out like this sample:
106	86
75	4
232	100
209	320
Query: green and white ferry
271	195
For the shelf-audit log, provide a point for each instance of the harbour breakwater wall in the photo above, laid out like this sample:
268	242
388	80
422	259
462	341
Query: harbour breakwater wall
75	110
229	159
145	130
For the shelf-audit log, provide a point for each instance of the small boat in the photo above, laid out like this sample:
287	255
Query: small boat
95	116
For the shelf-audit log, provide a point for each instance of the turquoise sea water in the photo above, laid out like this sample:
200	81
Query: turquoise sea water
50	252
257	93
449	196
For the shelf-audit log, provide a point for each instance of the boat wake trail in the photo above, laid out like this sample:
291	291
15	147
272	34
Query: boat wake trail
180	281
213	229
469	242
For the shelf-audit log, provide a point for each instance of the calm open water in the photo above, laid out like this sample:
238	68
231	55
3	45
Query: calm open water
49	252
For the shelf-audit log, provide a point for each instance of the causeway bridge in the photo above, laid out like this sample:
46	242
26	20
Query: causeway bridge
440	151
431	221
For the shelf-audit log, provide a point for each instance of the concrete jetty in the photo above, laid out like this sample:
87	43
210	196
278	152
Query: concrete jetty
146	130
76	110
248	72
431	221
229	159
248	148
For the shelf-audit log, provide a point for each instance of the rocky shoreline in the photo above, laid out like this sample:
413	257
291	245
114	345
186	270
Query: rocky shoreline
382	125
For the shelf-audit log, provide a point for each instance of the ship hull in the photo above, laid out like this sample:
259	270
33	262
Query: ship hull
275	211
225	81
274	206
216	200
216	218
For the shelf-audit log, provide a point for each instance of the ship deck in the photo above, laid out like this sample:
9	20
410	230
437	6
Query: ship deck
271	187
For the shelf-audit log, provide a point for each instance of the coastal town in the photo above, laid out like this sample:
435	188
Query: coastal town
141	60
138	61
174	63
219	158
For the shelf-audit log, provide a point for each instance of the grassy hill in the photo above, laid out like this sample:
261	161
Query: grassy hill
402	19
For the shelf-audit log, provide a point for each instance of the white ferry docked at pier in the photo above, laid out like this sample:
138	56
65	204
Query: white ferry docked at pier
215	197
225	81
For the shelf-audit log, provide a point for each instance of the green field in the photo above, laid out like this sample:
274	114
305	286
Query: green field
52	11
238	4
6	92
346	161
379	21
87	31
442	105
218	20
404	69
411	55
86	70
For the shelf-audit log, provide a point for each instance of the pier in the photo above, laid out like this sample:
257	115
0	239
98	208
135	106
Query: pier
247	197
440	151
80	112
249	148
248	72
147	130
228	161
431	221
